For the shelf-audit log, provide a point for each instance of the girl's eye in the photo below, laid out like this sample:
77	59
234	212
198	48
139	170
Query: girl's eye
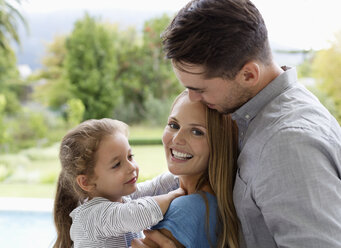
130	157
197	132
116	165
173	125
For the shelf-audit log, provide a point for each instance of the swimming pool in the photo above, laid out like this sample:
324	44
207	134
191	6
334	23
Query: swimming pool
26	223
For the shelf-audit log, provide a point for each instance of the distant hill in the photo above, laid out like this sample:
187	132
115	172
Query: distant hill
43	28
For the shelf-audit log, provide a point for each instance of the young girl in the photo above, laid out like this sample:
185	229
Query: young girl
98	171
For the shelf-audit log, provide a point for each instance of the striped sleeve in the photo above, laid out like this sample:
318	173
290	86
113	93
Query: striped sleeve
105	218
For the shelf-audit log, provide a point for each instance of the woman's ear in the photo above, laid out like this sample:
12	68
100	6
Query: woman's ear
249	75
83	182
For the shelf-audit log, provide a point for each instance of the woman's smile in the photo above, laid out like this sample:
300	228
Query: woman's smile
176	154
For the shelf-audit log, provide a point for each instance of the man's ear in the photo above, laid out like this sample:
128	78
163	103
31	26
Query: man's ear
84	183
249	75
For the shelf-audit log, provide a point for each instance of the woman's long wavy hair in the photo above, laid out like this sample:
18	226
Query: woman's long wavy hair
78	157
221	172
222	169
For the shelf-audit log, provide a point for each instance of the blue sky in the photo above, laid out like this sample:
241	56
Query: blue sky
302	24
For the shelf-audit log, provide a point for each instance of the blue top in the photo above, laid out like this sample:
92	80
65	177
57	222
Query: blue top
186	220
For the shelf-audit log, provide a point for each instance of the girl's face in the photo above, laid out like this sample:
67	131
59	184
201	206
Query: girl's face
185	139
116	171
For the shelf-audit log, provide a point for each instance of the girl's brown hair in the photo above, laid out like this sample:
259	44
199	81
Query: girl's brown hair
221	172
78	157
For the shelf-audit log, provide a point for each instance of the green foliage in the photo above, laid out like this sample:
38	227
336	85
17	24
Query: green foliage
3	133
55	90
9	19
326	71
96	71
157	72
115	73
157	111
144	142
29	124
304	70
32	127
146	76
91	66
75	111
11	86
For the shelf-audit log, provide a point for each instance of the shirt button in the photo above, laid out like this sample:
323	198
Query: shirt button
247	116
242	133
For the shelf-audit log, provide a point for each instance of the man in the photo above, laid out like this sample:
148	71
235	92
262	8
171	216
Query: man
287	191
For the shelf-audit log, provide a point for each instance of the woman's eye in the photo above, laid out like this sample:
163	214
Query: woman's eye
197	132
173	125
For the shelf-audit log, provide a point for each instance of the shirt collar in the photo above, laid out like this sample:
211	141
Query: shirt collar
250	109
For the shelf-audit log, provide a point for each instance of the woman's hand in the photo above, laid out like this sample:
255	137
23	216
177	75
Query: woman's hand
155	240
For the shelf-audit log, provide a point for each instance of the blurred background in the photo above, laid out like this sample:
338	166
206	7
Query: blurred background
62	62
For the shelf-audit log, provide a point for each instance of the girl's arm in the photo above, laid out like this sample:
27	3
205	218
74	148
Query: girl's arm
161	184
114	219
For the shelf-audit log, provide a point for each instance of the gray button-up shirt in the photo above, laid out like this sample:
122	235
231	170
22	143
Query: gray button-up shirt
288	188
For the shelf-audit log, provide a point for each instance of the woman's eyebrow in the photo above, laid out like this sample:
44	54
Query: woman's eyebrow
198	125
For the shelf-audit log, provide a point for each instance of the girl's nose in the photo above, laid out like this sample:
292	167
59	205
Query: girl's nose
131	165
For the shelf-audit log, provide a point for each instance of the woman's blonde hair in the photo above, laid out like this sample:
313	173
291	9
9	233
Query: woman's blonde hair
221	172
77	155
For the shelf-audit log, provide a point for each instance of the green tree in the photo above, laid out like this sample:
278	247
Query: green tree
326	71
10	17
3	131
157	72
55	91
146	77
10	84
75	112
91	67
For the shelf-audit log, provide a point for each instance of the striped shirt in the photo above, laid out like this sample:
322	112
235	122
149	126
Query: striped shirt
103	223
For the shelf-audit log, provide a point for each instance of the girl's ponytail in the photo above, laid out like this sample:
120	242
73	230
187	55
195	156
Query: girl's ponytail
65	202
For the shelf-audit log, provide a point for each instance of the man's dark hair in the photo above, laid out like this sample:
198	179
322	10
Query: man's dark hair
220	35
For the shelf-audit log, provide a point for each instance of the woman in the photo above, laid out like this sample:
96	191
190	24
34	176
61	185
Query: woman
201	148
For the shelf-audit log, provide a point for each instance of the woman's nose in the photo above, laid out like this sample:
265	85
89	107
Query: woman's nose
179	138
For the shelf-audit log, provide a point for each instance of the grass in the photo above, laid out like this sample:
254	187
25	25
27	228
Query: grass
33	172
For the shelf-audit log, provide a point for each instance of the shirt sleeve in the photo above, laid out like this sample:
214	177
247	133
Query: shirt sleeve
298	189
108	218
161	184
183	219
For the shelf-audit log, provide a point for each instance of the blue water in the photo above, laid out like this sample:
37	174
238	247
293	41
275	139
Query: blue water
20	229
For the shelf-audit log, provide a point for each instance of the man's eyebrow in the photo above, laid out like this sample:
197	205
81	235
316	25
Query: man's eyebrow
193	88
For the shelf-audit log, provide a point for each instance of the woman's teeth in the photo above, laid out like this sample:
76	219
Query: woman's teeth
181	155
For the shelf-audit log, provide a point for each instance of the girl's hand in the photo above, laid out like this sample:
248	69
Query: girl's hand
178	192
155	240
